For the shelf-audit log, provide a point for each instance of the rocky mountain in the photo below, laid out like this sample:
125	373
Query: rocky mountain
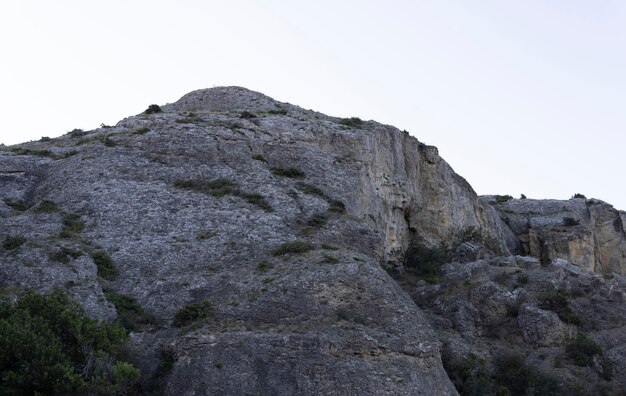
253	247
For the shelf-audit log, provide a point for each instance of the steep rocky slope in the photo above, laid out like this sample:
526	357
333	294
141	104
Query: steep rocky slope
277	217
254	247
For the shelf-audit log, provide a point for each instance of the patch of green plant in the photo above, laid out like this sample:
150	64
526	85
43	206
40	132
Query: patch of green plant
218	187
468	373
141	131
294	247
107	141
247	115
522	280
570	222
76	132
577	195
202	235
353	122
17	205
522	196
45	139
188	120
329	260
336	206
72	225
501	199
278	112
157	384
310	189
12	242
221	187
326	246
514	374
104	264
470	234
558	302
191	313
65	254
318	220
293	173
46	206
582	349
38	153
263	266
153	109
259	157
255	199
49	346
425	261
129	313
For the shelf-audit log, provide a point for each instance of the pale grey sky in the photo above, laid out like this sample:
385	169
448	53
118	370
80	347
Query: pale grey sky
520	97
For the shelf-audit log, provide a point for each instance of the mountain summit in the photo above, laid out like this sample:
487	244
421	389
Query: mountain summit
250	246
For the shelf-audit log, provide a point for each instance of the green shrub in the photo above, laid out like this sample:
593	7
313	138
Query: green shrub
72	225
247	115
558	302
570	222
278	112
293	173
129	313
353	122
468	373
191	313
512	373
336	206
310	189
17	205
12	242
202	235
221	187
217	187
65	254
153	109
107	141
49	346
582	349
38	153
255	199
141	131
295	247
105	265
46	206
577	195
317	220
502	199
330	260
77	132
425	261
259	157
522	280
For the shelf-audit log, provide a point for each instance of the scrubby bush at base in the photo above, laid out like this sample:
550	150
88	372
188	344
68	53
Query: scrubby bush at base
49	346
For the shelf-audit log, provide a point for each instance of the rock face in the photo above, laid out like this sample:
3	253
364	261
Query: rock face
255	235
586	232
277	217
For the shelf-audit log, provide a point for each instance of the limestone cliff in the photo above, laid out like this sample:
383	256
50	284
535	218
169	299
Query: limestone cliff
279	218
586	232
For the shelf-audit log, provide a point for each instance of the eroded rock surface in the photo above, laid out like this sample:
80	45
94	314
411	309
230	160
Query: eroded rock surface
586	232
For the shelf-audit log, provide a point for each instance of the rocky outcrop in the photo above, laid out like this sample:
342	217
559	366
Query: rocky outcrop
586	232
278	218
485	310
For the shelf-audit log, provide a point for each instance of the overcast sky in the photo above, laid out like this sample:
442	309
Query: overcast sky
519	96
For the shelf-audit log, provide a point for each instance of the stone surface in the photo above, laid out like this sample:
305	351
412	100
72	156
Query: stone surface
586	232
327	320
